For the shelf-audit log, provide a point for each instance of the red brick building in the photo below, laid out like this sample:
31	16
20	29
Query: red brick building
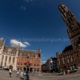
30	57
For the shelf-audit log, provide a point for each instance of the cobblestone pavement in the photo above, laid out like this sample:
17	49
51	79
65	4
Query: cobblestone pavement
41	76
48	76
4	75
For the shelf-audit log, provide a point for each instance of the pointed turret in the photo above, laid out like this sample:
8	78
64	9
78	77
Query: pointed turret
18	48
2	44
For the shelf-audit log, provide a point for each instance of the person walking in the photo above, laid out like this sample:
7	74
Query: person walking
25	75
64	72
10	73
17	73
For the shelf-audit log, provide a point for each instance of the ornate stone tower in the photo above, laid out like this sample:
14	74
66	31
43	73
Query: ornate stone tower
73	26
2	44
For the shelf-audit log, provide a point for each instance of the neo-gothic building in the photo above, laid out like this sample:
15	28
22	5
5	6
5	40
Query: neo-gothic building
8	55
13	56
70	57
73	26
30	57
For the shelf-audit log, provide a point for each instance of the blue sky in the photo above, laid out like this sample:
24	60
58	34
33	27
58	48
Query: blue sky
37	22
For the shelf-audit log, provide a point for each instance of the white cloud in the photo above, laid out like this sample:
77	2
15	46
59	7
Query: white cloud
26	43
22	44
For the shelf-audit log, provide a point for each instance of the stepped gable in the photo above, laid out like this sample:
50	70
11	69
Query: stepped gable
30	52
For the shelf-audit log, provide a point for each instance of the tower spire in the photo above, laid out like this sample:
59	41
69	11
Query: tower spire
73	26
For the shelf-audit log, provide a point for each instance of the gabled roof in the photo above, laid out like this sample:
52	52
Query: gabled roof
25	52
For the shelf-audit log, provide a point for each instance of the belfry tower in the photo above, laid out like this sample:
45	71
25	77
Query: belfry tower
73	26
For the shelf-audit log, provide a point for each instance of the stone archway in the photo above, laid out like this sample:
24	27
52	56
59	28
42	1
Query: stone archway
10	67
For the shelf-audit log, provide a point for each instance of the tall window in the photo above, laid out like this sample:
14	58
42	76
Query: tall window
2	59
18	61
33	55
39	55
13	60
9	59
59	62
5	60
68	60
63	61
72	59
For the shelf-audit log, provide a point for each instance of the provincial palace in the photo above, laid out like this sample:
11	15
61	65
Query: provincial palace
15	57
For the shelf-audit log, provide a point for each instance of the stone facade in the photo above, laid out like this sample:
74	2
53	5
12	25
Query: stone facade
13	56
70	57
73	26
8	56
50	65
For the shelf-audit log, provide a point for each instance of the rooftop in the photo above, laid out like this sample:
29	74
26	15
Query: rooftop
68	48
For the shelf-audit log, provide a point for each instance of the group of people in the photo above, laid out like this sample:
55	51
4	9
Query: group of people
66	71
23	74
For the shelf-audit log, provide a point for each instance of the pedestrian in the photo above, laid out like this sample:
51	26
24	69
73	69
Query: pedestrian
25	76
64	72
10	73
22	75
68	71
17	73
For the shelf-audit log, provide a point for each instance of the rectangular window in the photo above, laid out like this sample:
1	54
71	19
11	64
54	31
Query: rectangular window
63	61
59	62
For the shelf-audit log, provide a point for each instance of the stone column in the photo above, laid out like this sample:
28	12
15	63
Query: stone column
2	48
15	64
7	62
0	59
11	60
4	61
